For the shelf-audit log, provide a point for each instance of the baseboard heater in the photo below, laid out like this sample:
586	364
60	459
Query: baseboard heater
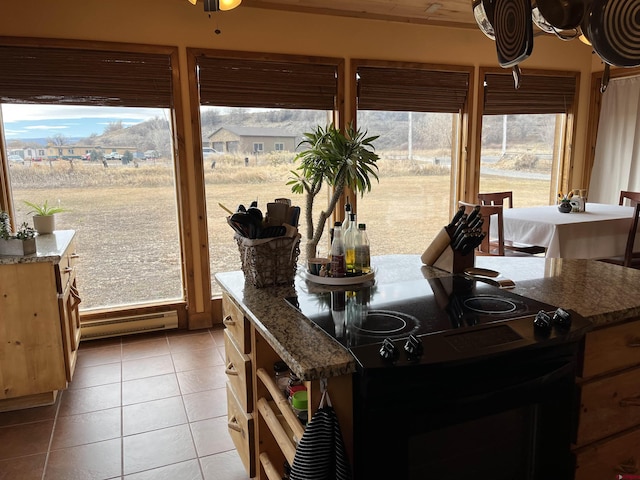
130	325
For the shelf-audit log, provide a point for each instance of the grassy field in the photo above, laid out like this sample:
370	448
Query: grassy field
126	217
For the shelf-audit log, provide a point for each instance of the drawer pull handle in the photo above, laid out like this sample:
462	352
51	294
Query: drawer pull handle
228	321
628	466
231	370
630	402
634	342
234	425
74	255
68	269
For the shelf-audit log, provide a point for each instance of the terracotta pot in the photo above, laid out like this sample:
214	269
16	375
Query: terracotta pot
44	223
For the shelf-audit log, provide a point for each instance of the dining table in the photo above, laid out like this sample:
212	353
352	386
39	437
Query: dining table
600	231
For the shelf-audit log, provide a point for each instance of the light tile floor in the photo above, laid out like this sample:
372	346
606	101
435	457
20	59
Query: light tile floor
141	407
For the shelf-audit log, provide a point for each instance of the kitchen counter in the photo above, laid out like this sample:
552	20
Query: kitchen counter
598	291
49	248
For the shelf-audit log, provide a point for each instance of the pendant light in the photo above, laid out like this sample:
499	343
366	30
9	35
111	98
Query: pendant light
215	5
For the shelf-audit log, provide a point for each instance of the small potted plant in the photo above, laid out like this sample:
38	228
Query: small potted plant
564	202
44	216
339	159
22	242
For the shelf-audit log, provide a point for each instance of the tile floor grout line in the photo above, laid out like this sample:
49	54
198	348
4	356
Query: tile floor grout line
53	430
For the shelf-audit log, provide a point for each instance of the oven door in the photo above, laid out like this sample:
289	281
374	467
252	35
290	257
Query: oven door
505	418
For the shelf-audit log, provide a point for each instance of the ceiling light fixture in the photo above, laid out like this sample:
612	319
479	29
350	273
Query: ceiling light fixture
215	5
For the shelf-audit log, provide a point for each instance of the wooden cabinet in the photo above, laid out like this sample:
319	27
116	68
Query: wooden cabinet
240	407
608	437
39	329
262	424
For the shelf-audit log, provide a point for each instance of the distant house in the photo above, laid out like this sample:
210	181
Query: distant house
252	140
73	152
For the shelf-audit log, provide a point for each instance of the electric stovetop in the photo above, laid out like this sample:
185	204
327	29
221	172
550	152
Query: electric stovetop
454	308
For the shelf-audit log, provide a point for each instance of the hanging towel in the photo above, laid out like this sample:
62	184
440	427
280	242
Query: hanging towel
320	454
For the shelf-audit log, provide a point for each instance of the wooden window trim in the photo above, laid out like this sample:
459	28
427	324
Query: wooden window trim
191	284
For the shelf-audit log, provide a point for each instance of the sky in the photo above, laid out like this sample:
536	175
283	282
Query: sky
41	121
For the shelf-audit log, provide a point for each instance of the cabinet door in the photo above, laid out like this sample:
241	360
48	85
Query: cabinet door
70	326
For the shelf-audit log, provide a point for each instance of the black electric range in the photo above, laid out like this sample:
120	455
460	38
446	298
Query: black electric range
435	320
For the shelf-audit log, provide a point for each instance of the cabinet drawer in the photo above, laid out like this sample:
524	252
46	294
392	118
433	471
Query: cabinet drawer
611	349
238	370
607	460
609	405
237	326
65	269
241	429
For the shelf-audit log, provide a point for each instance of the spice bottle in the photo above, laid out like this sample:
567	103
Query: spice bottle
281	371
338	268
363	250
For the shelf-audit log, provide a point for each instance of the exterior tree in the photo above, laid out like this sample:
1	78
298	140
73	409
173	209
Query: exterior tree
341	160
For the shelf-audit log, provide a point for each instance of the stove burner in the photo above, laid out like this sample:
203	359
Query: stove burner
490	305
387	323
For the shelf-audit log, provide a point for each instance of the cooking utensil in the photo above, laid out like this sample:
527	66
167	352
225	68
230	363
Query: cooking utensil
613	28
483	13
562	14
514	31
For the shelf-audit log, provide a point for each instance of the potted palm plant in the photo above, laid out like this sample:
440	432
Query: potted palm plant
44	216
22	242
339	159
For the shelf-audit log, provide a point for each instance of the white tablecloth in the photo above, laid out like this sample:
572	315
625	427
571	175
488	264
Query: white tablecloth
599	232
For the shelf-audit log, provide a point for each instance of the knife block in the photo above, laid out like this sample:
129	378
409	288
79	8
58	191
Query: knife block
439	254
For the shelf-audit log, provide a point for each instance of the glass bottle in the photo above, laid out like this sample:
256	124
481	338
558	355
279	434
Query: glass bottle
338	268
363	250
281	371
350	240
347	216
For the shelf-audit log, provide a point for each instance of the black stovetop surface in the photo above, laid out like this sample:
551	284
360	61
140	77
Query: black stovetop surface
357	316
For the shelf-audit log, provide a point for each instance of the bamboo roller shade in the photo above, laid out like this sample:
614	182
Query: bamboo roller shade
84	77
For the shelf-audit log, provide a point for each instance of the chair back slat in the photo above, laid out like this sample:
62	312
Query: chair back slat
633	197
496	198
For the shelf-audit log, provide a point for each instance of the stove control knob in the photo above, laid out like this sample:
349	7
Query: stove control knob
388	350
413	347
542	322
562	319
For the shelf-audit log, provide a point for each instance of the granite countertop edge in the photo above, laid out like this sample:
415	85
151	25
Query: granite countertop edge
50	248
595	290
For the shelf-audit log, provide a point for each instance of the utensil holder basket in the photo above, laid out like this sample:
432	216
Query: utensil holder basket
269	261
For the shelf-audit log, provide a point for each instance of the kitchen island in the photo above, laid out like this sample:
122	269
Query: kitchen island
605	294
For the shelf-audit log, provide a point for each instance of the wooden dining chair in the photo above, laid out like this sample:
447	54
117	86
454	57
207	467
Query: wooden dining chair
501	198
633	197
489	213
496	198
630	259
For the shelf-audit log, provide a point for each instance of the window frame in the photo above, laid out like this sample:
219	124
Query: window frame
459	166
561	169
187	318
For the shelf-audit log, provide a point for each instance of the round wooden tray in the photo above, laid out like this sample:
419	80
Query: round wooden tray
341	280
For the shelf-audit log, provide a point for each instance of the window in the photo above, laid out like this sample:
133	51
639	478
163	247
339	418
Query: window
125	217
279	147
244	96
524	133
417	112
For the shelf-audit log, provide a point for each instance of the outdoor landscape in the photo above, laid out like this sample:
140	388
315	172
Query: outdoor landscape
98	199
127	222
